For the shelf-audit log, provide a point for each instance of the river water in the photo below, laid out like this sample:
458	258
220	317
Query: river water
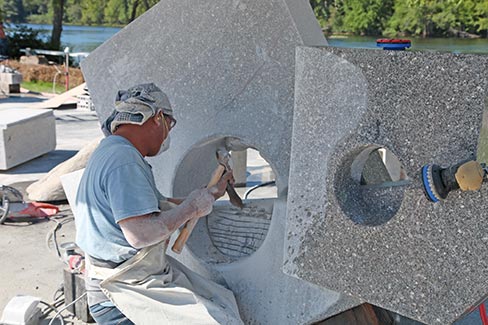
87	38
79	38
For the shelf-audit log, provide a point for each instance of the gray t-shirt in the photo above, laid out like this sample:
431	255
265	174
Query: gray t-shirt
118	183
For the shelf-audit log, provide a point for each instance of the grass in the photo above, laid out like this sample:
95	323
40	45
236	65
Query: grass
42	86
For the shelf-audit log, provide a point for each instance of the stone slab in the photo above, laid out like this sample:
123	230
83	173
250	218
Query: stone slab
70	183
228	69
387	244
10	78
25	134
67	98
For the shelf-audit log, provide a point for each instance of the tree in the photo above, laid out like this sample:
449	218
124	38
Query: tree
412	17
336	18
13	10
455	17
73	11
58	12
21	37
481	21
116	12
322	12
91	13
138	7
35	7
366	17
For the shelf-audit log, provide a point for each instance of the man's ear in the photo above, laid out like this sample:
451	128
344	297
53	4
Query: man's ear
158	118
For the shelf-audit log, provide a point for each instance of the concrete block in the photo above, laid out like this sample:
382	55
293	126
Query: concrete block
228	69
10	78
25	134
74	287
386	243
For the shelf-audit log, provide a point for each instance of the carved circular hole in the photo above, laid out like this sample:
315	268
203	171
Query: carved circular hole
370	185
229	233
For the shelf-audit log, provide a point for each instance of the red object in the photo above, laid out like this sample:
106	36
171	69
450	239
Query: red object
36	209
74	261
393	41
484	318
66	84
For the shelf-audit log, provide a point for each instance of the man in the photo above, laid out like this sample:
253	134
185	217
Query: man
123	225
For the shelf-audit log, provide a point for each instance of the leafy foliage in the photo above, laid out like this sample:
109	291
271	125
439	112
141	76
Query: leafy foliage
364	17
464	18
81	12
21	37
12	10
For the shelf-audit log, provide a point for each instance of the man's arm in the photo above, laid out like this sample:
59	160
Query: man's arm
176	200
149	229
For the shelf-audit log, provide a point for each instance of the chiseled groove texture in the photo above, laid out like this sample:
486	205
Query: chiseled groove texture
238	233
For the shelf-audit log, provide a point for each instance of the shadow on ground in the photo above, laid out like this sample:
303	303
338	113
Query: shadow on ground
42	164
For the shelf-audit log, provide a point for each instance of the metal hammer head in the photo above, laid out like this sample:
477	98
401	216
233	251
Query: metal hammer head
223	157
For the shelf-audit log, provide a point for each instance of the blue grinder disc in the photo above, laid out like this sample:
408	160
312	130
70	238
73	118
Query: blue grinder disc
427	181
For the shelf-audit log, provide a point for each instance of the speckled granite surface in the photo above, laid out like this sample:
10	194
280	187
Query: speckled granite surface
387	245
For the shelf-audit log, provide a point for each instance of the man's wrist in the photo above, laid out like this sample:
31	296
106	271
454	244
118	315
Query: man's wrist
213	191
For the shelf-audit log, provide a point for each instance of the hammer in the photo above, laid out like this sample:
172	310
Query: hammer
223	157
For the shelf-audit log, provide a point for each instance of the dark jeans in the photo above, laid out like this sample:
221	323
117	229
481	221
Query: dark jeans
108	315
3	47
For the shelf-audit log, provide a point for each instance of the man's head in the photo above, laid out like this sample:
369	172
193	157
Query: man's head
142	111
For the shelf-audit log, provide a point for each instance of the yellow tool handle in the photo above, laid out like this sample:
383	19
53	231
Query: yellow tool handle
185	232
469	176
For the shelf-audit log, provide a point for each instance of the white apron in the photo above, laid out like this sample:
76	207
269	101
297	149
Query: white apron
149	290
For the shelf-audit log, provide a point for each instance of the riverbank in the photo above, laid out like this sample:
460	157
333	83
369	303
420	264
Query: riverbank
453	45
88	38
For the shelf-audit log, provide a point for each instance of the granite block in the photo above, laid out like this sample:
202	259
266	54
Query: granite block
386	243
25	134
228	69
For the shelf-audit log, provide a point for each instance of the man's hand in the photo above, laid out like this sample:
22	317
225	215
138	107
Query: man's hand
149	229
202	202
219	189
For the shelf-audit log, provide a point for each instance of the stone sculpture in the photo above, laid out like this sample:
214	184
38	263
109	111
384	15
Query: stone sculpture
354	219
228	69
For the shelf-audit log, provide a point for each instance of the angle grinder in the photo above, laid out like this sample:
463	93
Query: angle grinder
465	176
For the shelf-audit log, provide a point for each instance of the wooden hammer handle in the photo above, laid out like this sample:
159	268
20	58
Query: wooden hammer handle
185	232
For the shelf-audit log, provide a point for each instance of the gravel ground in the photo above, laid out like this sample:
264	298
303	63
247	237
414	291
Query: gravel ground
29	266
